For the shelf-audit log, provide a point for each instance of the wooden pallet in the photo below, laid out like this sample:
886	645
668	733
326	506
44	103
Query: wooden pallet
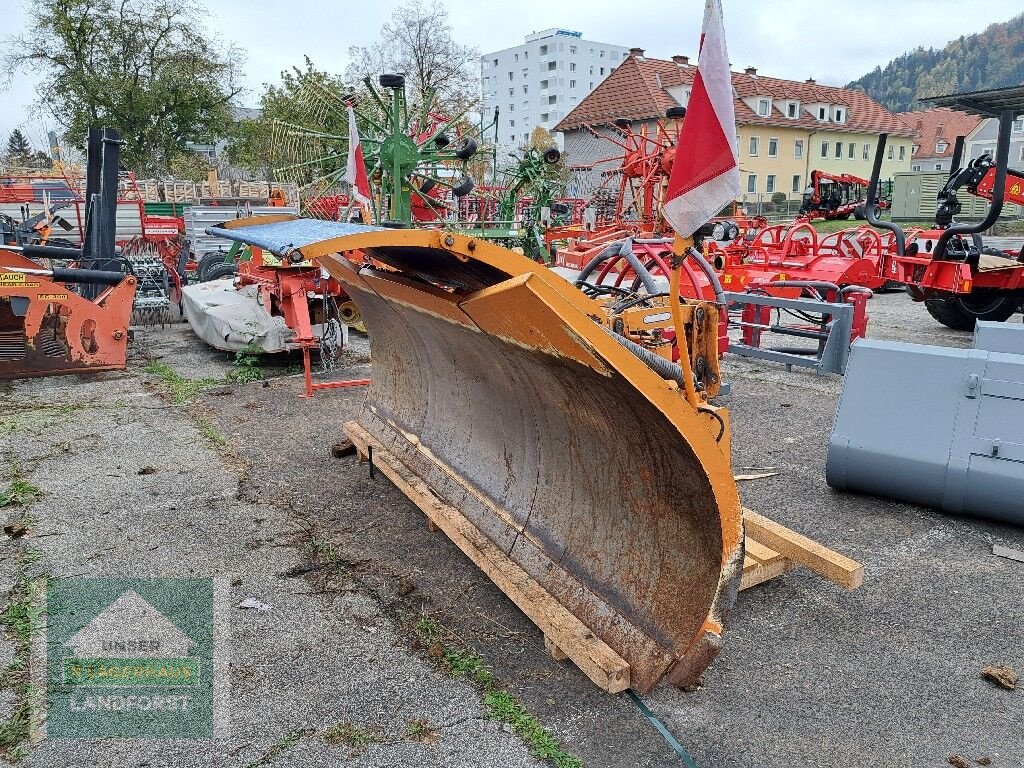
771	550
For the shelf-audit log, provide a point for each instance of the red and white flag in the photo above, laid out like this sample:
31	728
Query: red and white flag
706	173
355	171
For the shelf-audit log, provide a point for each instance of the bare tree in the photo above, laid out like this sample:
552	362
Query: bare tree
417	42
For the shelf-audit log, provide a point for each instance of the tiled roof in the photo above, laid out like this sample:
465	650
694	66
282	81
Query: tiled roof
931	125
638	90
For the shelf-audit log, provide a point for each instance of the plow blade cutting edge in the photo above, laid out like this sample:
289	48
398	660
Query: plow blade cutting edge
493	383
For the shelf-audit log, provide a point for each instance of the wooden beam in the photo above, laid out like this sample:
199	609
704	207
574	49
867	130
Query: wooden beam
562	630
835	567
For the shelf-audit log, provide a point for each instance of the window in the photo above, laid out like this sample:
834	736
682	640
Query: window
915	167
511	123
543	50
793	110
824	149
510	75
773	148
764	107
602	70
840	115
526	72
769	184
1018	125
552	99
891	150
511	107
572	83
591	69
867	152
851	151
572	49
839	150
543	84
903	152
823	113
544	117
798	148
517	57
591	85
913	150
526	89
938	166
752	183
941	146
796	182
572	66
552	65
602	54
494	62
511	91
526	55
752	146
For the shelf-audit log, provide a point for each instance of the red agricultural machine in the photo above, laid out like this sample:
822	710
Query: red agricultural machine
949	268
73	318
838	196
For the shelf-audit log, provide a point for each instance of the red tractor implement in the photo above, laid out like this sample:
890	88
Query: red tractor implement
949	268
837	196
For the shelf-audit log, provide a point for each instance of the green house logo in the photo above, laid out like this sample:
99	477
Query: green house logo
131	658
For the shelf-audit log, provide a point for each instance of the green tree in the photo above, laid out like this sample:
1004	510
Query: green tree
19	151
144	67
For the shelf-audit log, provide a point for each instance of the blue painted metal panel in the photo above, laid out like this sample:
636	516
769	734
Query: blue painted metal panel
283	237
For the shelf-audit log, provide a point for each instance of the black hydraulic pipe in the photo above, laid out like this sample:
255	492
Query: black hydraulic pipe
709	273
84	276
1006	118
93	168
869	204
51	252
958	155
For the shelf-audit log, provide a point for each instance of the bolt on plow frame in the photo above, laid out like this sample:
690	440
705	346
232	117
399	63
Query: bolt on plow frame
552	438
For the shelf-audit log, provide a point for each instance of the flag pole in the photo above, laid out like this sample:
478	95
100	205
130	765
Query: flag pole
679	248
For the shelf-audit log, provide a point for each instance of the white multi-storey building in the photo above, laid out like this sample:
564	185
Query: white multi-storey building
540	81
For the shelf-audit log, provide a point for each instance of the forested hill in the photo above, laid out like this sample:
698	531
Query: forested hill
991	59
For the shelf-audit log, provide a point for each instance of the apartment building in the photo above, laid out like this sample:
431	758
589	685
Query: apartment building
784	129
539	82
936	132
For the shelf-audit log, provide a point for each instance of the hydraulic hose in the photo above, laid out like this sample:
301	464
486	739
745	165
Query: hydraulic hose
664	368
622	250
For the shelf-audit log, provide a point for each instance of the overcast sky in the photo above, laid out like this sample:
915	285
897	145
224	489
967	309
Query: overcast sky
830	41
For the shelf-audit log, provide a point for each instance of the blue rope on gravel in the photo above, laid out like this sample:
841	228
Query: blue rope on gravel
660	726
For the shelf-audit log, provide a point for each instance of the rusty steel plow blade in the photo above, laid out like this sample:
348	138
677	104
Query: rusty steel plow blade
588	473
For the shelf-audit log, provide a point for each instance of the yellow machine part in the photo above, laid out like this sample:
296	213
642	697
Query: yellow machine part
591	471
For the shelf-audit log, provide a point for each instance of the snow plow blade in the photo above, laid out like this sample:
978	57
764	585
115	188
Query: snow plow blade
596	479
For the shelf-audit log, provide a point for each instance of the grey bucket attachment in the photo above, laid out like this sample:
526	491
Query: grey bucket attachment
935	426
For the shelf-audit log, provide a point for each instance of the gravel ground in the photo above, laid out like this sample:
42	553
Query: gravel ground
811	675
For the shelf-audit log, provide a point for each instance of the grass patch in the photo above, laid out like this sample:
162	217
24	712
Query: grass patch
355	737
419	729
286	742
210	432
501	705
35	417
19	620
247	366
180	388
19	493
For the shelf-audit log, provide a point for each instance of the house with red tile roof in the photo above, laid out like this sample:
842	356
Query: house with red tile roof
785	129
936	132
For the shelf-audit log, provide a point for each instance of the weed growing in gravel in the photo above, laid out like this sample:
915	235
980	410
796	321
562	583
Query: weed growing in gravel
287	741
19	493
419	729
210	432
181	389
503	707
500	704
247	366
355	737
18	620
29	416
